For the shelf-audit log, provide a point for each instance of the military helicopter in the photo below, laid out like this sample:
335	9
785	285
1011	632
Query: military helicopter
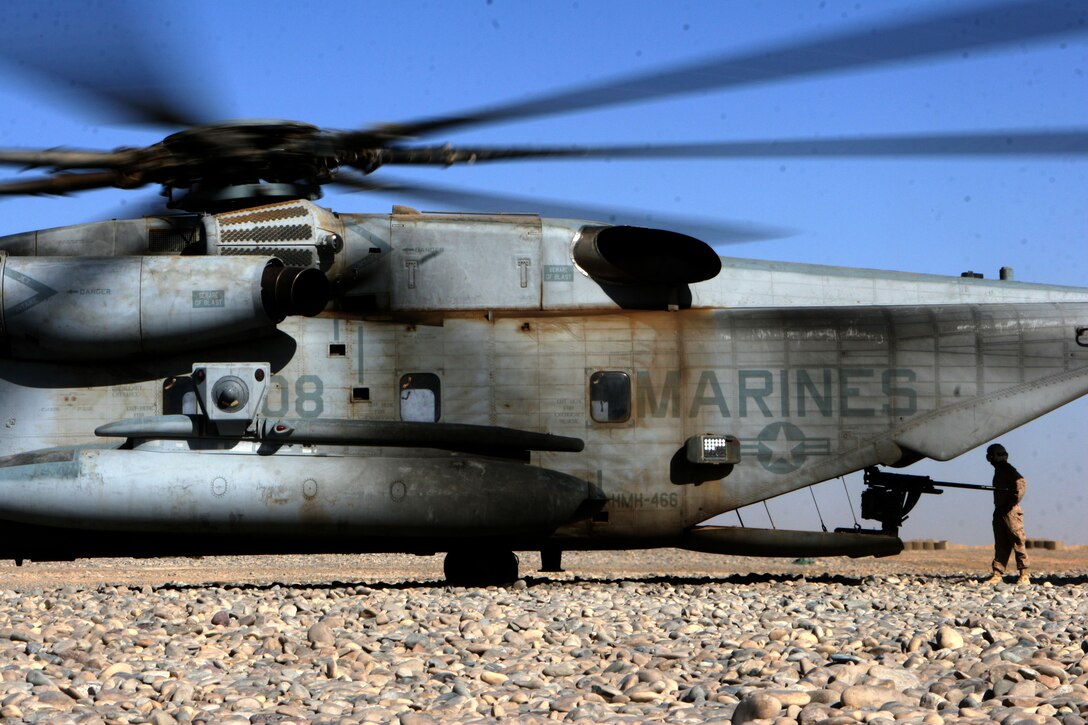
251	372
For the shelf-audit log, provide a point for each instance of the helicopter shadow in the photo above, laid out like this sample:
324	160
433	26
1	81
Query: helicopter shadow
335	585
752	578
530	581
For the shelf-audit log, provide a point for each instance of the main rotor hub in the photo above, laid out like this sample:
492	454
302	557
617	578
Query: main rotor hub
223	165
250	134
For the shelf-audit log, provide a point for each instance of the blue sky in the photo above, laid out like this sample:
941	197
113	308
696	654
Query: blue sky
350	64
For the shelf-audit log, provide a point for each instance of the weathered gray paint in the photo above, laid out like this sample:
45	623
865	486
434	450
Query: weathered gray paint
965	389
464	263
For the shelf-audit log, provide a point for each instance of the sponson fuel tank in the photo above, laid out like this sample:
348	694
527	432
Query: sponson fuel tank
164	487
91	308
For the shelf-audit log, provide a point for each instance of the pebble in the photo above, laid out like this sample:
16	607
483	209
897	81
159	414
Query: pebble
949	638
832	650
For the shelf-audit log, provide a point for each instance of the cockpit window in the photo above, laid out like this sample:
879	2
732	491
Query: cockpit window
420	397
610	397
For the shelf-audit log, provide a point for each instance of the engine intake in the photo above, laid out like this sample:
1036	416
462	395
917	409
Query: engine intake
638	256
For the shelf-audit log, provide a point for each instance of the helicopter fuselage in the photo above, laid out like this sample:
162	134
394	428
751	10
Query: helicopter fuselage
496	322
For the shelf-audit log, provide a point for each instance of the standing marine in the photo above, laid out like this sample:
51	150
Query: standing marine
1009	489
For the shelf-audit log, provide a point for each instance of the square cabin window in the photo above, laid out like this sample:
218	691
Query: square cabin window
420	397
610	397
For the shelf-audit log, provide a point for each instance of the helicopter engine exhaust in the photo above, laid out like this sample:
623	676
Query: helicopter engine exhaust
98	308
626	255
287	291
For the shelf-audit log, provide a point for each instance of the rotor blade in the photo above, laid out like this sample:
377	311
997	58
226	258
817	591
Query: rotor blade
978	27
1072	142
148	205
63	158
710	231
119	65
999	143
60	183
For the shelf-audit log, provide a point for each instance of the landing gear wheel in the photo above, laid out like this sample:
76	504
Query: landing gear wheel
480	567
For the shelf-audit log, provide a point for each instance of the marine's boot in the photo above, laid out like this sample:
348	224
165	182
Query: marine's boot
993	580
1023	578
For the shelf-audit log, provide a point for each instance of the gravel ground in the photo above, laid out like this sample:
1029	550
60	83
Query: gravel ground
620	637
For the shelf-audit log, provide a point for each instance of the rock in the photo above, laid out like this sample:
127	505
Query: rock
415	718
114	669
825	696
867	696
493	678
560	669
182	694
800	698
949	638
642	693
758	706
695	694
158	717
37	677
900	678
320	634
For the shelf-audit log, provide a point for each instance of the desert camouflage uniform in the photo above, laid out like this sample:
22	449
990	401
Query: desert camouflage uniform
1009	489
